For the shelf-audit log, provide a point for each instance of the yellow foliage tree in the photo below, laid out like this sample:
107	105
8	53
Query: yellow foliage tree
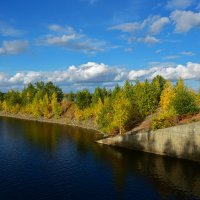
198	98
44	106
56	107
166	97
15	108
97	109
122	110
35	108
5	107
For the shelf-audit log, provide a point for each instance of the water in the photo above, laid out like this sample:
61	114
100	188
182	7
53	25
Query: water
48	161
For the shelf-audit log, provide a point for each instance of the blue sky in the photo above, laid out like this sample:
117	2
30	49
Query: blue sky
85	43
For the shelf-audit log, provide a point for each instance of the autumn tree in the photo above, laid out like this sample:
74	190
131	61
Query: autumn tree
56	108
121	111
105	117
167	97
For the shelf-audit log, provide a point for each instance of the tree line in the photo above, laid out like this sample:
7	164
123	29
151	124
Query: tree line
112	111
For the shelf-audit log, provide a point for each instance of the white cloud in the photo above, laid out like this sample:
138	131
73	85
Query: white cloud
149	40
93	74
185	20
59	28
158	25
13	47
8	30
142	31
171	57
129	49
67	37
179	4
128	27
187	53
158	51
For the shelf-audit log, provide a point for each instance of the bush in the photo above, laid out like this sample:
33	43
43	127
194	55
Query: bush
163	121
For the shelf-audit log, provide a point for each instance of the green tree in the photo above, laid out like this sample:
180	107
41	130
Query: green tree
12	98
51	88
184	101
1	96
145	98
115	91
71	96
128	90
83	99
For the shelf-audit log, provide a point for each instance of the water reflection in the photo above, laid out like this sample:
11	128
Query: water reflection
171	178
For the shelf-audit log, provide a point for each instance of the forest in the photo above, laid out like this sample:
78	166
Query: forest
111	111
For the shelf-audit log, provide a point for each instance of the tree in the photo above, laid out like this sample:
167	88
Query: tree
5	107
128	90
12	98
97	95
28	94
160	82
184	101
1	96
116	90
122	111
35	108
71	96
44	106
83	99
51	88
97	110
105	117
56	108
167	97
145	97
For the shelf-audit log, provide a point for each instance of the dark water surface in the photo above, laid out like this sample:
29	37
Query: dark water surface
48	161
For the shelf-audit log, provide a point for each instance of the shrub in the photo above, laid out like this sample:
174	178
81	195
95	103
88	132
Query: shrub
163	121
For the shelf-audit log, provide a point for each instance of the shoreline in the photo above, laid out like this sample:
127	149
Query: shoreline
61	121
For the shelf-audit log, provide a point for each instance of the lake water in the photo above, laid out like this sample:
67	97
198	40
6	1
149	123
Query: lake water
48	161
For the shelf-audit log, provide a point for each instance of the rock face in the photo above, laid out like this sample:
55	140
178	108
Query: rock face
181	141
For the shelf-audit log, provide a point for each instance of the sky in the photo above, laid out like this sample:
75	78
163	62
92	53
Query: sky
87	43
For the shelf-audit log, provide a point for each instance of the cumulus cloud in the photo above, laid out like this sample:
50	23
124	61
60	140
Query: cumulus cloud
8	30
13	47
93	74
67	37
179	4
185	20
